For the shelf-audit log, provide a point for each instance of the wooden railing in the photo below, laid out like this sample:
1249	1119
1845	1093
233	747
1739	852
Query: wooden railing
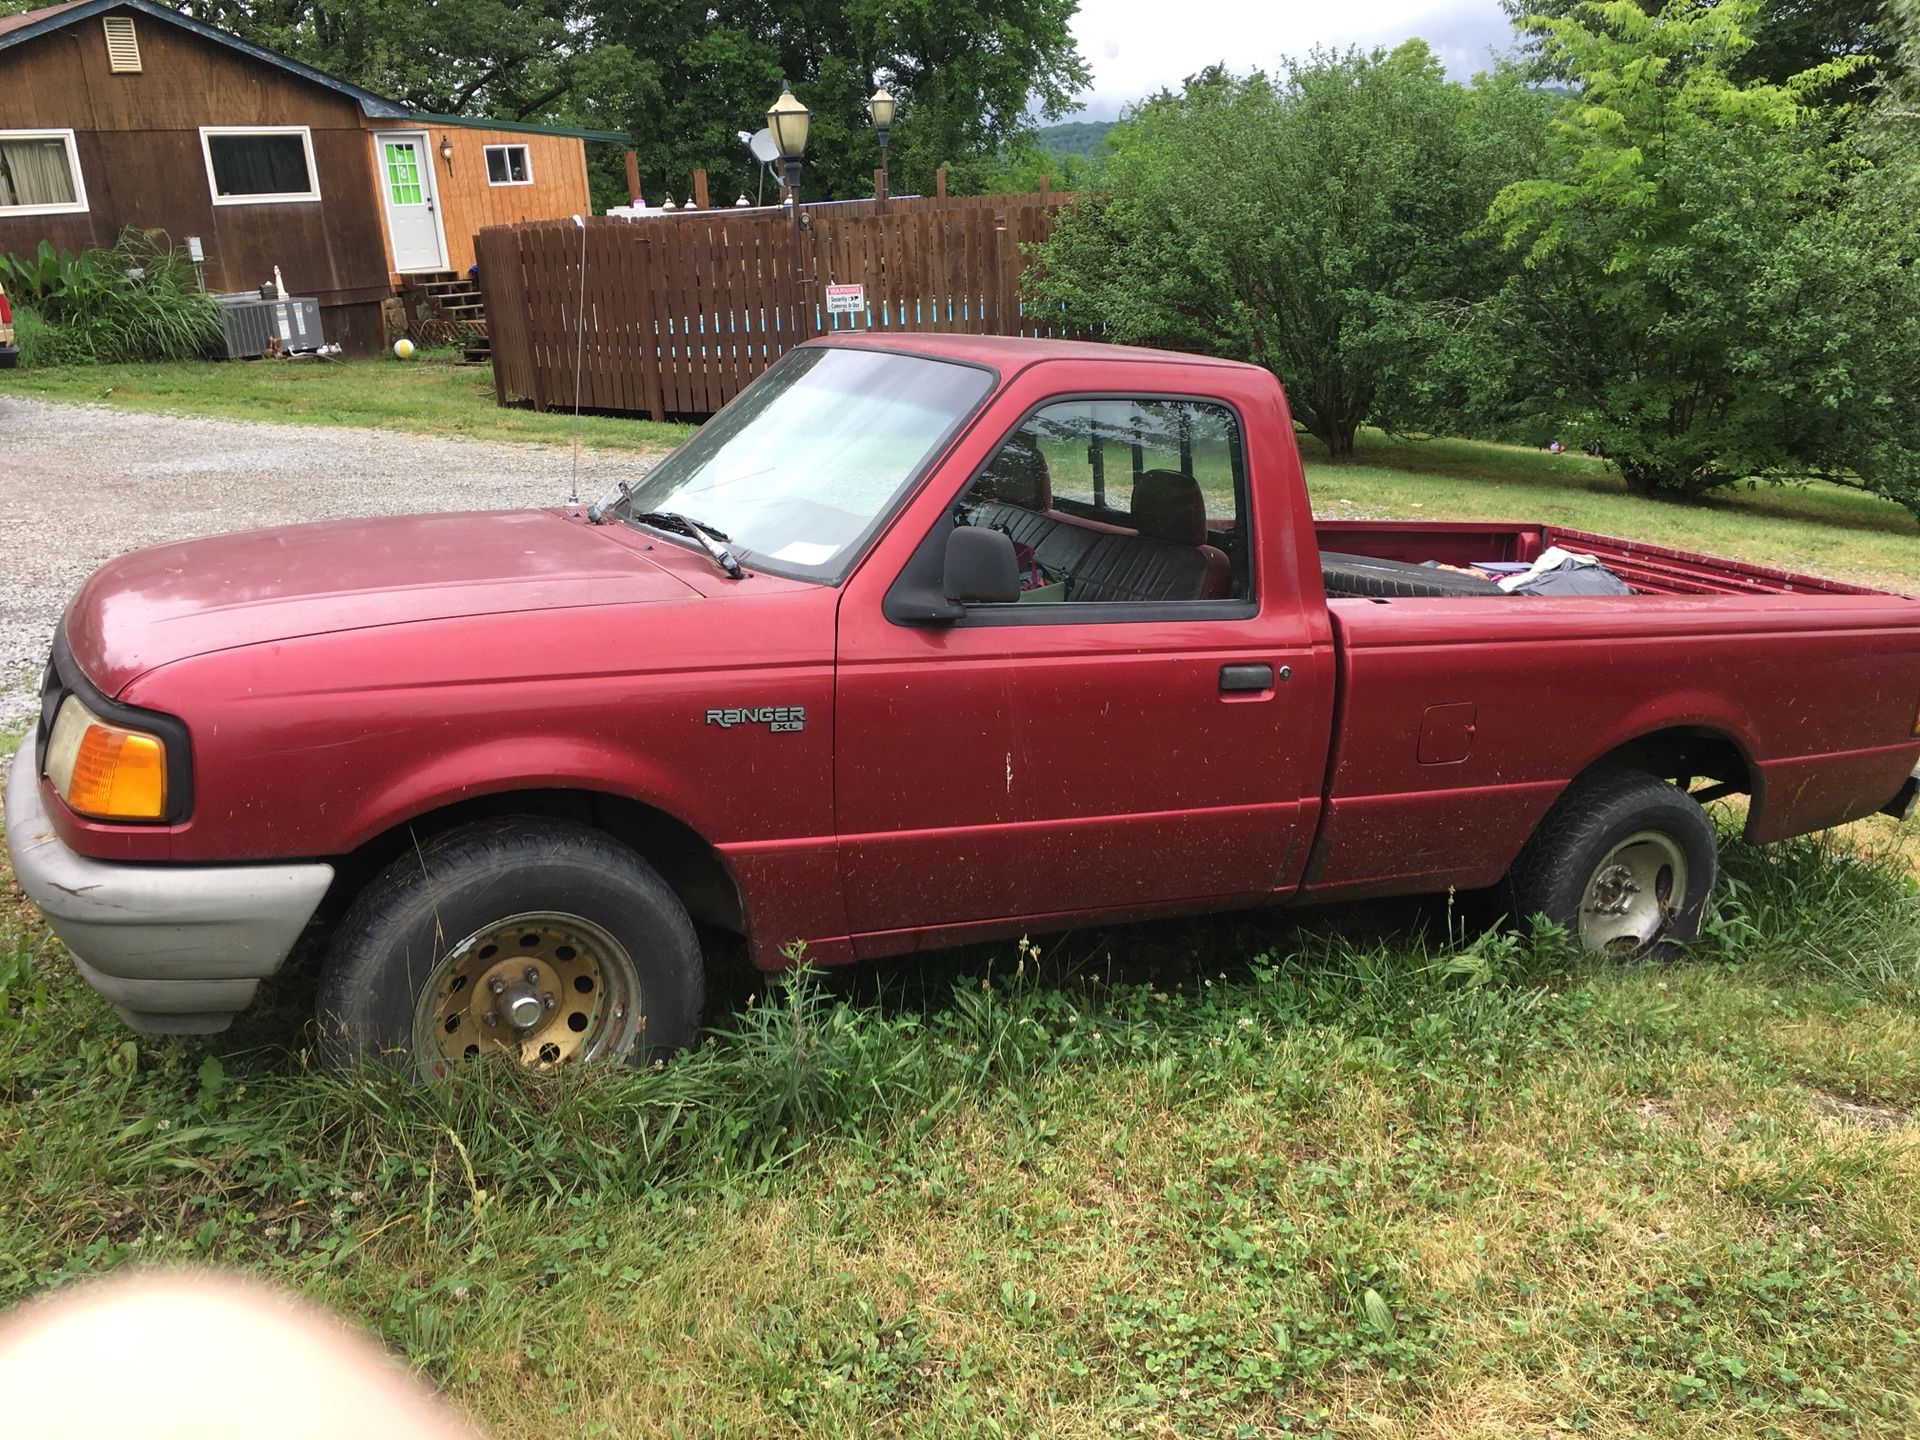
682	311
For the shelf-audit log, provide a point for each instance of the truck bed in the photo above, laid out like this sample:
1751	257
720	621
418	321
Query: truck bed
1458	719
1649	569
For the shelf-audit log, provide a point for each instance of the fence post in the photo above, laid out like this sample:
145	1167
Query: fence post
633	178
700	189
940	183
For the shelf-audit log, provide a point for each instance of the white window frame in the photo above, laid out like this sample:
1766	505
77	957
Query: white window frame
305	133
519	145
78	206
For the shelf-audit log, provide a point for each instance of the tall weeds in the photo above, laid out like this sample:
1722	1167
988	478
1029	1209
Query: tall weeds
136	300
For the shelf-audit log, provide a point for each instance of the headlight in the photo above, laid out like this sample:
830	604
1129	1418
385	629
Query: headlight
106	771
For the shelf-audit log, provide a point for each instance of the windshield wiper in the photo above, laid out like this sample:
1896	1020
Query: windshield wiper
714	542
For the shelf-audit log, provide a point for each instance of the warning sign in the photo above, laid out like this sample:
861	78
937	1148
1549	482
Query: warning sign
846	299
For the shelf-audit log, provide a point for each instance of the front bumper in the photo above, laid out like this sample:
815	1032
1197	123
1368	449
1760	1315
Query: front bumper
178	949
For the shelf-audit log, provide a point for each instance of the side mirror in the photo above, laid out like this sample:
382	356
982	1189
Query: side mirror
981	567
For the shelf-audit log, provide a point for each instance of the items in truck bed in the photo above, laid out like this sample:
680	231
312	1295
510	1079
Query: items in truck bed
1565	572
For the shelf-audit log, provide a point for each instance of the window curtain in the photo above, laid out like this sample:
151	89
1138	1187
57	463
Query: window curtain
35	172
259	164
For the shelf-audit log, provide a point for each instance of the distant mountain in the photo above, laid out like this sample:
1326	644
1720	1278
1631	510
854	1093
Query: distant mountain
1075	137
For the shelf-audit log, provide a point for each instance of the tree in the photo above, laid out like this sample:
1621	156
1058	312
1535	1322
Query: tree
685	78
1787	37
507	58
1319	224
1712	287
1896	112
1020	165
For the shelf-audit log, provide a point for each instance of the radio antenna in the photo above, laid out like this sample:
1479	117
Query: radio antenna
579	355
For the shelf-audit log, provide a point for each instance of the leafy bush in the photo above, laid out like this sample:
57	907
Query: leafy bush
1321	222
1714	283
136	300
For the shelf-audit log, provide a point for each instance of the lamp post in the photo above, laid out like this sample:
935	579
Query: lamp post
787	123
880	109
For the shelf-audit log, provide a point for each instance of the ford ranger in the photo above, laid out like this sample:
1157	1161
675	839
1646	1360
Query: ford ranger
924	639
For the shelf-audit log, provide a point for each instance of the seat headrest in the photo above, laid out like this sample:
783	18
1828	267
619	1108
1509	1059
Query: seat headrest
1017	475
1168	505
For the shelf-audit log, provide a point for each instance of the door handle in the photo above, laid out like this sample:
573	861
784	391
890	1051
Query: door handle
1246	677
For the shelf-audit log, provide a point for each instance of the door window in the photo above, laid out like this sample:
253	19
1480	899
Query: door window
1121	501
403	174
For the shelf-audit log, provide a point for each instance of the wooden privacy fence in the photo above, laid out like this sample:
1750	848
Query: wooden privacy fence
683	311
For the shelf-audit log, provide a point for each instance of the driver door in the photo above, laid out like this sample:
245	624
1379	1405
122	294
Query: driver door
1099	751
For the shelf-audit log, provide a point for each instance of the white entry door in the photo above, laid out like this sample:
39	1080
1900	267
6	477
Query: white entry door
413	217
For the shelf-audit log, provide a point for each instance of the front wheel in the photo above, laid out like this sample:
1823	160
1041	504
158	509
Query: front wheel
1623	862
539	941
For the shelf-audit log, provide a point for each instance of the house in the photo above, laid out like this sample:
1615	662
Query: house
124	112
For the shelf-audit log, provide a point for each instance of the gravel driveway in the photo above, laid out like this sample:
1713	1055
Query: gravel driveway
80	484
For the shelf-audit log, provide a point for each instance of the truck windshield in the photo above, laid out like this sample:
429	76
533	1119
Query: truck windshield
800	469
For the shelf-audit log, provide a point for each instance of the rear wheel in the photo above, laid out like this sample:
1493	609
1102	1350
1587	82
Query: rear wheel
539	941
1623	862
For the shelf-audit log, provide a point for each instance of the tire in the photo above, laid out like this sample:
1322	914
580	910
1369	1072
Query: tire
1362	575
571	942
1619	839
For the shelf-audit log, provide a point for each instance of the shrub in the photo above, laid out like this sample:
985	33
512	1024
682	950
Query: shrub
1321	222
138	299
1714	285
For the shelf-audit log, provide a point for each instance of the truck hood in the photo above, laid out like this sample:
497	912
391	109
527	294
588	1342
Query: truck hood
168	603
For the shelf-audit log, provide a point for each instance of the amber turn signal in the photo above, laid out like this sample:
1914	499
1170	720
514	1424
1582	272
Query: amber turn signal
106	771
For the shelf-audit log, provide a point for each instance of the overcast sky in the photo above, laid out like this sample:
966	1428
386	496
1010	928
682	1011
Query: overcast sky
1137	46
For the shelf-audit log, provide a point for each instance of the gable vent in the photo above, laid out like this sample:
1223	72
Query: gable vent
123	46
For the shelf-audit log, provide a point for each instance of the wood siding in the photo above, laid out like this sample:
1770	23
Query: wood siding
139	142
468	204
138	138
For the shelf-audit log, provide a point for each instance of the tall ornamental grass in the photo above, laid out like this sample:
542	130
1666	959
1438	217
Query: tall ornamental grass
137	300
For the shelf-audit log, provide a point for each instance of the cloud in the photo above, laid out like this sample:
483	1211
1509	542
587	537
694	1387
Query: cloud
1134	50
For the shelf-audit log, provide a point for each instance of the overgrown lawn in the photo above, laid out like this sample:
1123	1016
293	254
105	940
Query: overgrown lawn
1369	1175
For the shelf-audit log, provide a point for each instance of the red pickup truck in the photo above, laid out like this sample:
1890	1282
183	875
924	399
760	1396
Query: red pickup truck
924	639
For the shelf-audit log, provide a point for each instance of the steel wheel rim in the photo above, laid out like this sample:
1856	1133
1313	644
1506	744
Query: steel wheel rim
560	988
1633	894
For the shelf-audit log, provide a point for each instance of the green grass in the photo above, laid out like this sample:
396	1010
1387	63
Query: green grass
1218	1178
421	396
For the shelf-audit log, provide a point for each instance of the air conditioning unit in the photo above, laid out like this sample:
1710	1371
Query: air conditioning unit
257	326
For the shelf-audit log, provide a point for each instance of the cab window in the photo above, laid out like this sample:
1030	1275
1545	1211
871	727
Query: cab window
1121	500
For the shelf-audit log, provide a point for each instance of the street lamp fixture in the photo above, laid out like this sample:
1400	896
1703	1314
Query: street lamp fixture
787	122
880	109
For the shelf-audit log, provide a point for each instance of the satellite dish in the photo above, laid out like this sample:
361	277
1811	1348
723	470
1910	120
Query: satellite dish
762	146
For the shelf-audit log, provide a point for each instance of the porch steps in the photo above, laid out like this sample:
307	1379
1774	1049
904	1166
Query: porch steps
444	308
